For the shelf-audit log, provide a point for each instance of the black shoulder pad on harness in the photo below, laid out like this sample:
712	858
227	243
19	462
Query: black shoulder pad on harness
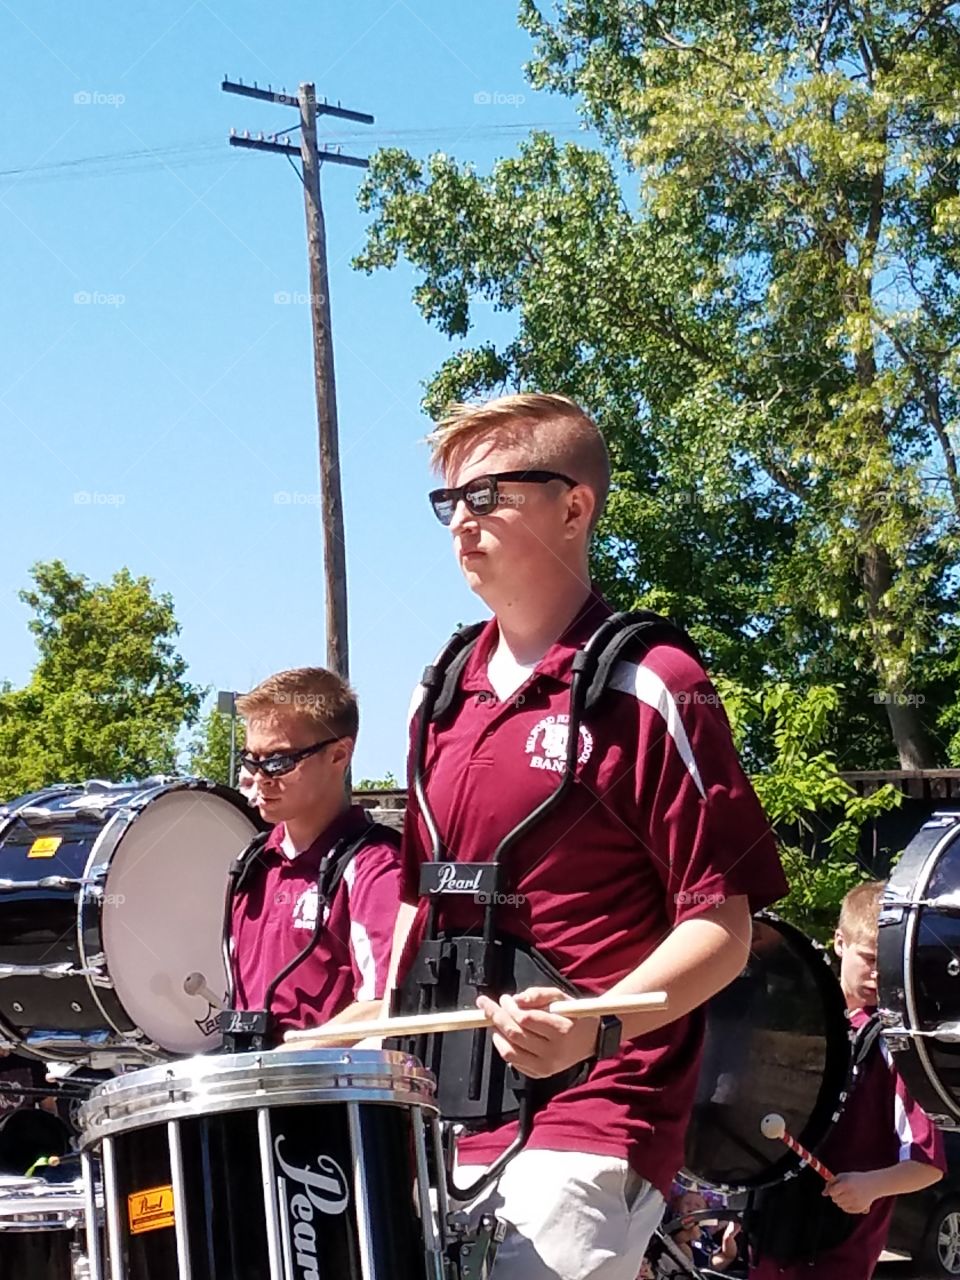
638	630
242	863
344	853
446	671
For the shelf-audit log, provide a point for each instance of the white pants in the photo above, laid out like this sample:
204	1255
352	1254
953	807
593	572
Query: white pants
569	1216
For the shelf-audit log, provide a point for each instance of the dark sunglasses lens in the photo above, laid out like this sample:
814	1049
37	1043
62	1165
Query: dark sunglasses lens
443	506
481	496
271	766
276	766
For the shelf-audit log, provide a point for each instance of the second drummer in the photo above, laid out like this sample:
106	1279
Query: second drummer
323	856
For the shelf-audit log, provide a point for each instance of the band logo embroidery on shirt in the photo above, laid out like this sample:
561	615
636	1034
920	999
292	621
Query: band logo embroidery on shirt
547	744
305	909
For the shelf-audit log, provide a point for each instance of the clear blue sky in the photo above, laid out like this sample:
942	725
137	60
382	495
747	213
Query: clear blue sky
180	397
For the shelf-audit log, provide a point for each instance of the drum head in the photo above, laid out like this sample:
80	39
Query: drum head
776	1041
163	913
918	964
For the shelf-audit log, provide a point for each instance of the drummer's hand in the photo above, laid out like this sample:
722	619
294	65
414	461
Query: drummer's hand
853	1192
538	1043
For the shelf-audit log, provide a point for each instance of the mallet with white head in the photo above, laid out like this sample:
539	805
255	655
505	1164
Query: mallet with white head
775	1127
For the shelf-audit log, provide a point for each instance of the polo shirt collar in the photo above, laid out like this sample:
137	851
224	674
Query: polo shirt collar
350	822
558	658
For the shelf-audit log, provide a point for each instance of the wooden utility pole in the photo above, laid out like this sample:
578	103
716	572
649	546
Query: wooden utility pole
335	566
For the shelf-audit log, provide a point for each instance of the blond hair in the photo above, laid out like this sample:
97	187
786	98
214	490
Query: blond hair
313	692
860	911
552	432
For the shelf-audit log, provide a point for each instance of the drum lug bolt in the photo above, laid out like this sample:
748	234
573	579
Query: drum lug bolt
953	967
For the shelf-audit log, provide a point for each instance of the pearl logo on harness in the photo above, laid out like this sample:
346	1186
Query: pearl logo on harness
547	744
325	1190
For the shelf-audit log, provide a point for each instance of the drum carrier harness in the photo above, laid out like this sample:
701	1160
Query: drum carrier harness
248	1030
475	1087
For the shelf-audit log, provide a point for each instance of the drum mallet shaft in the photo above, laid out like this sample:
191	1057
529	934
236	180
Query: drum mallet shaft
775	1127
195	984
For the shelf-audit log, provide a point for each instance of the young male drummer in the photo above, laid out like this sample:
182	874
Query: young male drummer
884	1143
301	726
645	877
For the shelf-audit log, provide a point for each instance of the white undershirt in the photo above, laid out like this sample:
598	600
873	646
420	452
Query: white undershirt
505	673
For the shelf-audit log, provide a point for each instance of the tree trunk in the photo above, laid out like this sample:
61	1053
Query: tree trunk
903	705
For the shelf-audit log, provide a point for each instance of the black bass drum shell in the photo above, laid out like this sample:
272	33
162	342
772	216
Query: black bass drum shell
776	1041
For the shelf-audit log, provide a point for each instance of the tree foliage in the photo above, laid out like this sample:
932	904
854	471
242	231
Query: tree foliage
752	283
801	789
209	754
109	692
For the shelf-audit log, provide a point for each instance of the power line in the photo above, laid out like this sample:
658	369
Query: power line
182	155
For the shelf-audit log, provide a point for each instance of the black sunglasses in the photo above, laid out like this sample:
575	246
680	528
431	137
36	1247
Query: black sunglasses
482	495
282	762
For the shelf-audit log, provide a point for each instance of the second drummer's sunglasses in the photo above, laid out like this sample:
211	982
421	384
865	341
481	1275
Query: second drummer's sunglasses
482	495
281	762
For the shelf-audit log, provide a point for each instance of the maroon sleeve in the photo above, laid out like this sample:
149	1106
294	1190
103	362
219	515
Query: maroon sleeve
703	824
374	895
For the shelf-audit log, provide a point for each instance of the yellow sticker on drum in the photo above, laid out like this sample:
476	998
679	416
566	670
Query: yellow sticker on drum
150	1210
45	846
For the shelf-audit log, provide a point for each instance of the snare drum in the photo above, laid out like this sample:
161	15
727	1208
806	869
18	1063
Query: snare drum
776	1040
918	967
110	896
273	1166
42	1233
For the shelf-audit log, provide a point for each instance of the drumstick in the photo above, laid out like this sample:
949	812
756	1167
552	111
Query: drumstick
775	1127
471	1019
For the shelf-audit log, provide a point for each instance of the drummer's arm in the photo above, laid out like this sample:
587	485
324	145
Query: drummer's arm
405	918
698	957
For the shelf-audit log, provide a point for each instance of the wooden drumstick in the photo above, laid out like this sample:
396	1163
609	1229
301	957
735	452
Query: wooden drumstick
470	1019
775	1127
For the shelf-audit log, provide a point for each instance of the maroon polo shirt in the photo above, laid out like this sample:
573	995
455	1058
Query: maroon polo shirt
275	912
880	1126
659	826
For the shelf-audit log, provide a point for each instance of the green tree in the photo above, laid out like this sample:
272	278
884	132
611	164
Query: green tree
109	693
753	286
800	789
209	752
386	783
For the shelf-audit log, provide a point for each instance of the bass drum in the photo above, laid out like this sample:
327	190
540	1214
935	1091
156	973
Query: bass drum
776	1040
918	967
111	895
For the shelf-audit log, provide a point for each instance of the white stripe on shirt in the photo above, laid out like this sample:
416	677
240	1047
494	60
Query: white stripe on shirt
360	945
900	1118
647	687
